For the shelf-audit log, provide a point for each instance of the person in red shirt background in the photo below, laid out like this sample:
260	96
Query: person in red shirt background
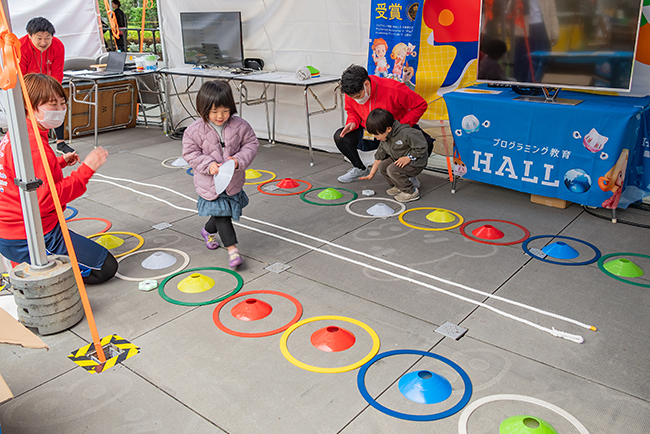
362	95
96	263
43	53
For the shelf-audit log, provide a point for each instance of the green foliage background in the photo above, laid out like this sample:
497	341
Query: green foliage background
133	11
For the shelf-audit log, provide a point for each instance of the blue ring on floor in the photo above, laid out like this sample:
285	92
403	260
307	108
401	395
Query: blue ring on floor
418	418
189	171
591	261
74	212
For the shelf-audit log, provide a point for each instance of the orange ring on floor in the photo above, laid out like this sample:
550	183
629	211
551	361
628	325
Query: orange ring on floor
259	187
482	241
108	224
223	328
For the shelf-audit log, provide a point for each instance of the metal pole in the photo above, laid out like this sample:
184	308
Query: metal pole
27	183
311	151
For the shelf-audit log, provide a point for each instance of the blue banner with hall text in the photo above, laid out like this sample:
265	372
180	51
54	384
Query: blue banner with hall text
395	39
595	153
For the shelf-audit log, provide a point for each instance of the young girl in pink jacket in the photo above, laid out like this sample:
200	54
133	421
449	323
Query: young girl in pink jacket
208	143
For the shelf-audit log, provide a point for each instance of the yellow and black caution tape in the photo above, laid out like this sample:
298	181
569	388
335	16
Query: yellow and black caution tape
4	283
126	350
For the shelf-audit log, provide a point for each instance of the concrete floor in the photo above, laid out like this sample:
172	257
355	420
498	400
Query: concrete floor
191	377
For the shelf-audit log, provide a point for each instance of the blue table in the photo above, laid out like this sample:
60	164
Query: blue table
596	153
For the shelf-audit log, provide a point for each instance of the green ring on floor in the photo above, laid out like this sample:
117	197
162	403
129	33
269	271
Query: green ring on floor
302	196
161	288
601	265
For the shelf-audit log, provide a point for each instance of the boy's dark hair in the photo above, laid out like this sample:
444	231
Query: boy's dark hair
117	2
494	48
39	24
214	94
353	78
378	121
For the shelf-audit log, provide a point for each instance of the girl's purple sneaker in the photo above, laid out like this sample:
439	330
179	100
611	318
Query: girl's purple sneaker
210	239
234	259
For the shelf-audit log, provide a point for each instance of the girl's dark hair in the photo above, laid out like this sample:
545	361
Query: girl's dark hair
378	121
42	89
214	94
353	78
117	2
39	24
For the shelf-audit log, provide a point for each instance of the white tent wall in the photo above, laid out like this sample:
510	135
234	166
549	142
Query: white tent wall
287	34
76	23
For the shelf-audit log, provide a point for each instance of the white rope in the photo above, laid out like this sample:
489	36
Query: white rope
145	194
552	331
374	258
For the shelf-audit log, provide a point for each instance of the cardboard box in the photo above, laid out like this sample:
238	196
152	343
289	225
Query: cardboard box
13	332
550	201
5	393
117	108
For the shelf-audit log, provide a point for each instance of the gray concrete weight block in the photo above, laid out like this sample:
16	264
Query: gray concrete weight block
48	305
32	283
58	322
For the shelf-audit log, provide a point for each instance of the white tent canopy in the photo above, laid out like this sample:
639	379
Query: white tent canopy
76	23
286	34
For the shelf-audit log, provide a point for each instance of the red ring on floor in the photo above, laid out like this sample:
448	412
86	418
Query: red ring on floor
479	240
259	187
108	224
223	328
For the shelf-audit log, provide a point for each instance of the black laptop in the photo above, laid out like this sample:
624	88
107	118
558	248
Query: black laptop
114	65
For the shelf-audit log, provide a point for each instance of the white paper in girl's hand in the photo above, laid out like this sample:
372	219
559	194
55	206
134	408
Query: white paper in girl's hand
222	179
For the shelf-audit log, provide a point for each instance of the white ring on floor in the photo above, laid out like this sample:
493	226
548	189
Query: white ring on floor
368	216
464	416
164	163
186	261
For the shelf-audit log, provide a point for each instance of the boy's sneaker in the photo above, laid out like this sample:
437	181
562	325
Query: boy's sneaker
353	175
234	259
415	181
63	148
393	191
408	197
210	239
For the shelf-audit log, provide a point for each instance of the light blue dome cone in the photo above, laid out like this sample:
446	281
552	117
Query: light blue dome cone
424	387
560	250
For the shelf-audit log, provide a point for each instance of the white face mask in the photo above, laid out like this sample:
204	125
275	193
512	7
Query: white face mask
365	99
51	118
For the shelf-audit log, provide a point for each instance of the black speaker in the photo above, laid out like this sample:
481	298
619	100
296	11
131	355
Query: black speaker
254	64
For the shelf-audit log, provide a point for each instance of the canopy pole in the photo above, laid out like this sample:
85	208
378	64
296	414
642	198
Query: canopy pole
12	100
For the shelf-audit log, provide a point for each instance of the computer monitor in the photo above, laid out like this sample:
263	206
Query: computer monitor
580	44
212	38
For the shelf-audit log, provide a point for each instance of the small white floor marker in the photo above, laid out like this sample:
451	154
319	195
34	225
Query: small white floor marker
278	267
451	330
161	226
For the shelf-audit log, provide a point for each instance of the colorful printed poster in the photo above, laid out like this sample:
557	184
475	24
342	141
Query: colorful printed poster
448	50
394	39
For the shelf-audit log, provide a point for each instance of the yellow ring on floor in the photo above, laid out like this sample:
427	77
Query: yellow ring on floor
273	175
460	219
285	351
139	237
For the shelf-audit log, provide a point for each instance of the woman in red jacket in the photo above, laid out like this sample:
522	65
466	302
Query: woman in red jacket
48	101
42	53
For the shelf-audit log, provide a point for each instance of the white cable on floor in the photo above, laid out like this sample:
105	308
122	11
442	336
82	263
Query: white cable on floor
430	276
145	194
553	331
374	258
